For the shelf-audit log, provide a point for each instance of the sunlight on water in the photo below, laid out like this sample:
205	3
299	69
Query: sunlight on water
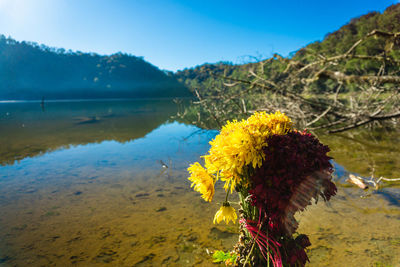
106	184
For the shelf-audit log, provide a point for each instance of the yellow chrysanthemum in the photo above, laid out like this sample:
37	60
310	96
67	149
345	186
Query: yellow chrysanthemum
202	181
279	123
240	144
225	213
238	148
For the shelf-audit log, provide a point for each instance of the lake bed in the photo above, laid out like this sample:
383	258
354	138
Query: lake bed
105	183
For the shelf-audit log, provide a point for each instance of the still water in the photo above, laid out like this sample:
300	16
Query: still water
104	183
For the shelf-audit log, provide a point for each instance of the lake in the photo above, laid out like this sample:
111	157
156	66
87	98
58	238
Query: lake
104	183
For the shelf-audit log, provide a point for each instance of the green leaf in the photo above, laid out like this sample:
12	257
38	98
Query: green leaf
220	256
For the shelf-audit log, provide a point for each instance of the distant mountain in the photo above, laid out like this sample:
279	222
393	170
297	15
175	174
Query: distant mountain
32	71
207	77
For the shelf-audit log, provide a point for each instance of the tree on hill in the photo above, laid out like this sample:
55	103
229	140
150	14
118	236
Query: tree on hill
32	71
349	79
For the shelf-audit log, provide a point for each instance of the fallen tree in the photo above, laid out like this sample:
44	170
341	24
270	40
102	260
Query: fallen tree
317	91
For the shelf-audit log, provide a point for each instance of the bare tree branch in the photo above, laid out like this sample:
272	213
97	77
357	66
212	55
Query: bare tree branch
376	95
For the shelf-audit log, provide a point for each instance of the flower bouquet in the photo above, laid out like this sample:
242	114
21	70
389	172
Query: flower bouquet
276	171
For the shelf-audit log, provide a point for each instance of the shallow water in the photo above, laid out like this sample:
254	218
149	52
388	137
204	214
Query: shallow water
86	184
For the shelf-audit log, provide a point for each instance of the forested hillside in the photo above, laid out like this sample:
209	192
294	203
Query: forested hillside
208	77
349	79
32	71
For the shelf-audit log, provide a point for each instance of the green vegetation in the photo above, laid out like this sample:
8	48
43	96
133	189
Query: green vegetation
32	71
348	80
208	79
229	258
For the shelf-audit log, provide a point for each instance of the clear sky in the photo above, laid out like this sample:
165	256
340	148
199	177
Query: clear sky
175	34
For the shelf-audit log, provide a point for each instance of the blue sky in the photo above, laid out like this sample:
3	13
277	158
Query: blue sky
175	34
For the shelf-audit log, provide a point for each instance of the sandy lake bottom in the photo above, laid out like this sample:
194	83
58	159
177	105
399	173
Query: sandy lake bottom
110	202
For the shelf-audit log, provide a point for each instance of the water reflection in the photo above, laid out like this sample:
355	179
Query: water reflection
367	152
105	184
27	131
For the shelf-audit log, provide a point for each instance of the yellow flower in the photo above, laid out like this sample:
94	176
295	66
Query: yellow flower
240	145
279	123
202	181
225	213
236	150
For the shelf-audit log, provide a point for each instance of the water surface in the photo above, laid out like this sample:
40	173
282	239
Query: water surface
105	184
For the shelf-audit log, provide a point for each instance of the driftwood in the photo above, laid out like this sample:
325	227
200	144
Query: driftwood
364	182
358	181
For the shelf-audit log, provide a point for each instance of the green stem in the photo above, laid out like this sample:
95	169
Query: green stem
227	193
252	246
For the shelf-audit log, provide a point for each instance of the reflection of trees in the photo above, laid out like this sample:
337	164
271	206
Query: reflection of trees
66	124
371	154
